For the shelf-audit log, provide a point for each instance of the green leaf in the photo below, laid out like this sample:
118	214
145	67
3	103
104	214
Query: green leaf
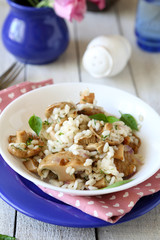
99	116
117	184
46	122
5	237
29	140
35	124
112	119
129	120
104	118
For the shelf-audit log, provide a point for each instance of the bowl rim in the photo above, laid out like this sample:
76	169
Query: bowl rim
39	182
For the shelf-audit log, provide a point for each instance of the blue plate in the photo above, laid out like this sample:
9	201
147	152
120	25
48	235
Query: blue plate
28	199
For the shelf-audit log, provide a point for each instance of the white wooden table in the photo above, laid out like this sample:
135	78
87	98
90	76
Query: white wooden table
141	77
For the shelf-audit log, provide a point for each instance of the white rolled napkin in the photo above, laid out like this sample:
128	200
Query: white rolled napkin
106	56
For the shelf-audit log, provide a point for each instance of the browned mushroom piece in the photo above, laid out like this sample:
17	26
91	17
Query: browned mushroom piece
87	99
96	147
133	145
106	139
128	166
87	140
61	105
90	111
20	137
95	133
19	145
114	142
108	126
101	183
59	162
31	165
119	152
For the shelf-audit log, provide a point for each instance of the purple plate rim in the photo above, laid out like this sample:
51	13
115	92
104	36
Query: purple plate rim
36	204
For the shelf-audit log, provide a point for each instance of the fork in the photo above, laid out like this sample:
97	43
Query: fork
10	75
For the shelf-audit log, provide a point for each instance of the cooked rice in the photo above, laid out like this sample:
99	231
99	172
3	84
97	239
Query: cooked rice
73	134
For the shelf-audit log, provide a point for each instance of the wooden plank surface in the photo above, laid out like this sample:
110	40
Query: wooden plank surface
6	58
144	66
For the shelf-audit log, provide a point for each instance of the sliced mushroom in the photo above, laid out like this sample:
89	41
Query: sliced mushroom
128	166
87	99
24	149
110	141
101	183
90	111
87	140
61	105
96	147
21	137
31	165
108	126
119	152
95	133
59	162
135	146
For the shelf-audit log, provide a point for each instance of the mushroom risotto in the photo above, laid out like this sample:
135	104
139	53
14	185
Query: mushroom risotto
79	146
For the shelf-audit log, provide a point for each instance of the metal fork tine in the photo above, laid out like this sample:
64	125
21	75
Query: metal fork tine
8	71
10	75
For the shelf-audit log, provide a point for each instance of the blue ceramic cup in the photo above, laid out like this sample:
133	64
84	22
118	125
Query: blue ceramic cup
34	35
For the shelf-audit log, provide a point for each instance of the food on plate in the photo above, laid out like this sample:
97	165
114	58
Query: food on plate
79	146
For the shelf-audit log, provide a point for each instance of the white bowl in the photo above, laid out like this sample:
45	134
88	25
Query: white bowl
16	115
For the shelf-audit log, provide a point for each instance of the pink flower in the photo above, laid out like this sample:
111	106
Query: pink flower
101	3
70	9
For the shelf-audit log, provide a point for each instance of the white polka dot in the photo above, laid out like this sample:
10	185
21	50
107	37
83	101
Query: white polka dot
101	201
131	204
98	196
137	188
148	184
140	194
113	197
152	190
60	194
109	214
116	205
11	95
77	203
0	100
105	206
50	194
95	213
91	202
23	90
121	211
158	175
126	194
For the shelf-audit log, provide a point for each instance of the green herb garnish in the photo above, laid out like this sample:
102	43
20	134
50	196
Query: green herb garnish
129	120
46	122
104	118
61	133
117	184
5	237
29	140
112	119
35	124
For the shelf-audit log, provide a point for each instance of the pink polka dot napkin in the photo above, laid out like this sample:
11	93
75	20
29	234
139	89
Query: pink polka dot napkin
9	94
109	207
